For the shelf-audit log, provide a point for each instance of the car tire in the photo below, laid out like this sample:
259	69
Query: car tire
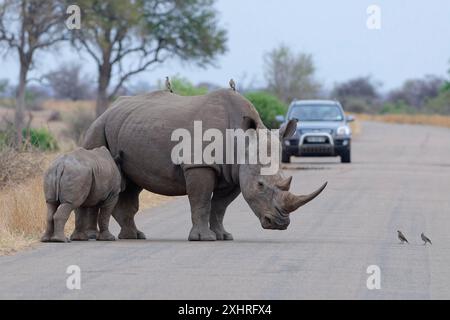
285	157
346	156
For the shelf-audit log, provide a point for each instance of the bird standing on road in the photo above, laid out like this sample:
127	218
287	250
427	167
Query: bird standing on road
401	237
425	239
233	85
169	85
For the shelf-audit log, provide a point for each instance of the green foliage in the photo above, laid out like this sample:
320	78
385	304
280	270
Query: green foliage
184	87
398	107
440	104
268	106
41	139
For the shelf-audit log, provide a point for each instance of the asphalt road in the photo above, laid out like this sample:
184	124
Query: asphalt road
400	179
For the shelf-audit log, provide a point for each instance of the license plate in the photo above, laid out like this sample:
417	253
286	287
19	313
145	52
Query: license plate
316	139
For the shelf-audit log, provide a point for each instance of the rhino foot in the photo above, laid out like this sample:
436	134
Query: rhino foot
92	234
59	239
202	235
105	236
223	235
132	234
141	235
45	238
79	236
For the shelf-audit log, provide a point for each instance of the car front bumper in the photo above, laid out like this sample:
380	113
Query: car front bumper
331	147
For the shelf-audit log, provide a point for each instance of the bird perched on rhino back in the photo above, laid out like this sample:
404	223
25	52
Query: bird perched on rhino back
402	237
169	85
425	239
232	85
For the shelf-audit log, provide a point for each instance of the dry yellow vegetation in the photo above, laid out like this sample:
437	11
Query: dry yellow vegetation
423	119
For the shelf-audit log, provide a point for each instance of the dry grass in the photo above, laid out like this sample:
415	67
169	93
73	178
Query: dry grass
356	127
17	167
22	215
68	106
22	202
149	200
432	120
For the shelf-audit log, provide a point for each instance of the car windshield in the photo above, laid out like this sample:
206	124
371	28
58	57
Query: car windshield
316	113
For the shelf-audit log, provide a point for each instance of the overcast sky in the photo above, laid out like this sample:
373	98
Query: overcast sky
413	41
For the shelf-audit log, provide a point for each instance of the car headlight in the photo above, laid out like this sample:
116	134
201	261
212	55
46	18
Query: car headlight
343	131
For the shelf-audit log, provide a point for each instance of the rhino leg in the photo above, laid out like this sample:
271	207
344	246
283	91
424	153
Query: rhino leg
220	201
81	223
103	220
125	210
91	222
51	209
200	183
59	219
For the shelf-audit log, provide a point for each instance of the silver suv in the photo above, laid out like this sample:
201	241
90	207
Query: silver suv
322	130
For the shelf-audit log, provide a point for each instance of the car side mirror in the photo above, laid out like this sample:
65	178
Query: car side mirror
350	118
280	118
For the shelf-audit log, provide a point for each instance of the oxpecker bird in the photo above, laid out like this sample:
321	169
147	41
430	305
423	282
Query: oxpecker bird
425	239
233	85
402	237
168	85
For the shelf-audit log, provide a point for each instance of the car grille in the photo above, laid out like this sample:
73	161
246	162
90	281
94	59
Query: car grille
316	149
303	131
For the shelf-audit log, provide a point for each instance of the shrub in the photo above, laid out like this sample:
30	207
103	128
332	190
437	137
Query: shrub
41	139
268	106
78	123
396	108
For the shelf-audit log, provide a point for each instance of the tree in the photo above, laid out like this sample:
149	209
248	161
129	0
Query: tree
28	26
417	92
357	95
290	76
68	82
143	33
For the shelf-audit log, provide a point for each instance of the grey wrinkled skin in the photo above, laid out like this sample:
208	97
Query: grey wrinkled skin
142	126
82	178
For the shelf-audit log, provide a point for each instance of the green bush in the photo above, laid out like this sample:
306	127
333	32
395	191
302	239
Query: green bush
396	108
268	106
440	104
41	139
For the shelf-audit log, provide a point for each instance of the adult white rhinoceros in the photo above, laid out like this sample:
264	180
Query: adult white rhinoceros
141	127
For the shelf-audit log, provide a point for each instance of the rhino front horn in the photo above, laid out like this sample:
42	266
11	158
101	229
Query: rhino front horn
292	202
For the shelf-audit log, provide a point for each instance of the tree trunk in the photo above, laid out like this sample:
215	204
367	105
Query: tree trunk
102	90
20	105
102	101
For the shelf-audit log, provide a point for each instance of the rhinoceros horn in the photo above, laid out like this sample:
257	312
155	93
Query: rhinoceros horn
285	184
291	202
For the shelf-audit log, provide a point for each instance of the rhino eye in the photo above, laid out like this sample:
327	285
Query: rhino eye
260	184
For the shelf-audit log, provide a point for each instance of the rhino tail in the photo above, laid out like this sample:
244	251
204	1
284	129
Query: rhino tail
58	176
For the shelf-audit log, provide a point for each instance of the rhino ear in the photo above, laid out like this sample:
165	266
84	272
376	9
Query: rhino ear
288	130
248	123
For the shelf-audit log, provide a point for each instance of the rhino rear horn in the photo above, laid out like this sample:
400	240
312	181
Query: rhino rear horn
292	202
285	184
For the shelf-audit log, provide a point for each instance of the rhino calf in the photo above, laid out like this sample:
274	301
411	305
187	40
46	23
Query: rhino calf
82	179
